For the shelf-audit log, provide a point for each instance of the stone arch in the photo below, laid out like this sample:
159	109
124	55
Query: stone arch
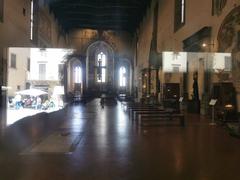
124	62
103	37
91	56
70	84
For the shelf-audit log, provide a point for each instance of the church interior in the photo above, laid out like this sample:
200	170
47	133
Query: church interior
119	89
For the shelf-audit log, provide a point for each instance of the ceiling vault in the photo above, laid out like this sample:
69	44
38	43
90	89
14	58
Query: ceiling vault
122	15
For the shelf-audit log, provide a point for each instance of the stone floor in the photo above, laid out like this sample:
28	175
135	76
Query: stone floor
111	147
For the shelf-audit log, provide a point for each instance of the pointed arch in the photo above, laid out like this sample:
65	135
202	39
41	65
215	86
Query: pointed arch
122	76
100	65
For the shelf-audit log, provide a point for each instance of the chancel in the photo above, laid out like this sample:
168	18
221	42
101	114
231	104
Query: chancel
119	89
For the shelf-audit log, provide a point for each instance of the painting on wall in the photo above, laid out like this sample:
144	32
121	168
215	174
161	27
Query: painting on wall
228	33
229	40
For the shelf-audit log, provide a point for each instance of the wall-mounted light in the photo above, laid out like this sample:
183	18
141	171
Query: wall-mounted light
204	44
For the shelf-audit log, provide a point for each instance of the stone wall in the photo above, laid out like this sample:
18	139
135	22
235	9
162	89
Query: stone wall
143	45
15	32
20	73
198	15
117	45
121	42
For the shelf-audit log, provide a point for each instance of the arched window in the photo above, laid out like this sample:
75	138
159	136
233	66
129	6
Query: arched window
77	74
101	68
122	77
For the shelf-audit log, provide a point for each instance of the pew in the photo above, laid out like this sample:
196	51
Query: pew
155	119
152	114
133	109
135	113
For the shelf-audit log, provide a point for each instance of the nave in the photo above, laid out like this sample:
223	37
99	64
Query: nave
86	141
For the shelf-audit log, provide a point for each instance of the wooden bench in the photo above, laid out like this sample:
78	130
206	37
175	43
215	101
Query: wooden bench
140	106
131	110
155	119
135	113
129	107
132	105
154	115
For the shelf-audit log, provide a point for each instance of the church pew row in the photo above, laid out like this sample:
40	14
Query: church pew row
158	119
134	104
155	117
129	106
135	109
150	114
134	114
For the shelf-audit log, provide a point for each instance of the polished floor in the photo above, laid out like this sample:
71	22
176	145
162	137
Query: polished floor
107	146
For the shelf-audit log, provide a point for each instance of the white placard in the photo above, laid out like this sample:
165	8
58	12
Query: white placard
213	102
181	99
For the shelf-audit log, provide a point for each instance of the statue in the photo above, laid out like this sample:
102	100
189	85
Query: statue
195	87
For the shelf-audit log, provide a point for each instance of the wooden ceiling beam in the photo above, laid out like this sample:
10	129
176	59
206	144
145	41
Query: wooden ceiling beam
93	14
99	13
102	27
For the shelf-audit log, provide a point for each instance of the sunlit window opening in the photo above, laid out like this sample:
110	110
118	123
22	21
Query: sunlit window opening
102	58
122	77
42	71
78	74
31	21
182	11
174	61
101	64
222	62
30	87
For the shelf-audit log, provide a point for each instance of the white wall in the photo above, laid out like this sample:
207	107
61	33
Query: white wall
15	32
51	57
198	15
17	76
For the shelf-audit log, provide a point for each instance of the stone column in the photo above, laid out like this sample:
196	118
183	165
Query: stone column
3	82
236	77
